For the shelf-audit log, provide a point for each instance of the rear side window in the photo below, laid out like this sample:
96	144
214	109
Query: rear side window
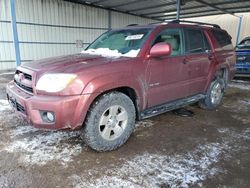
195	41
222	37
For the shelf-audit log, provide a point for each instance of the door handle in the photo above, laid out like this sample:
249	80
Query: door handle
184	61
210	57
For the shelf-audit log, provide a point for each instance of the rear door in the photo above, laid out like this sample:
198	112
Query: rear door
198	59
224	50
167	76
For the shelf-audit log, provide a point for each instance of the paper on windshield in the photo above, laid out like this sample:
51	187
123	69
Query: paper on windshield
134	37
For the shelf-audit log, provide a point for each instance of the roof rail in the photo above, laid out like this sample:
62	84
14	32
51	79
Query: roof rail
131	25
200	23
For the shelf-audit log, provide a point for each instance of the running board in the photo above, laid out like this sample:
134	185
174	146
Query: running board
159	109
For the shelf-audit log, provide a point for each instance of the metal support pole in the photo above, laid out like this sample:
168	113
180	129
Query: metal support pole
14	31
239	30
178	8
109	20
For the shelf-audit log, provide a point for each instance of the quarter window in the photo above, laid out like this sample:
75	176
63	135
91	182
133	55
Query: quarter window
222	37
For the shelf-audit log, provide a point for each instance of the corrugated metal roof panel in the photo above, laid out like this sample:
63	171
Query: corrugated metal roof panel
153	8
140	4
234	5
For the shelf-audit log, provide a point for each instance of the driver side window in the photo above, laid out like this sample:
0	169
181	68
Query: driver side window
173	37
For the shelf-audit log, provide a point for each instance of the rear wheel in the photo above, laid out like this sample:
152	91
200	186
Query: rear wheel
110	122
214	95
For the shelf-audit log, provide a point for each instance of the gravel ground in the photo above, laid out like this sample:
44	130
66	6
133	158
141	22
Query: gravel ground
210	149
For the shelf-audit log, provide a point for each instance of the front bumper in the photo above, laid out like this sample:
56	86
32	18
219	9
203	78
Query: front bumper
69	111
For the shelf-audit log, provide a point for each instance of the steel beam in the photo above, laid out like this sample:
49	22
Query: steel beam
178	9
190	15
14	32
191	8
239	30
127	3
200	15
152	7
97	2
172	10
233	10
107	8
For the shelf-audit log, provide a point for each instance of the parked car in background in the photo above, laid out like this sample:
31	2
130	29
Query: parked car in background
125	75
243	58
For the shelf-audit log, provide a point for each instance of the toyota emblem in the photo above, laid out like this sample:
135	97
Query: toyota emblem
19	77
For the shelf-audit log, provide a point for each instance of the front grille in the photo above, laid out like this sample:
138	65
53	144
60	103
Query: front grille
243	70
26	88
16	105
26	76
22	76
243	58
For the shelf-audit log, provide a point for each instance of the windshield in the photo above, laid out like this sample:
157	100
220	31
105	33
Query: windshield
125	42
245	44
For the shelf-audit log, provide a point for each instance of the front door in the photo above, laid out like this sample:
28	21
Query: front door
167	76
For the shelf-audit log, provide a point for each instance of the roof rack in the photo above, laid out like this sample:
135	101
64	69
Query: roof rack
200	23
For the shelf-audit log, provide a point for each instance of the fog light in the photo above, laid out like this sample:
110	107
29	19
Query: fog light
48	117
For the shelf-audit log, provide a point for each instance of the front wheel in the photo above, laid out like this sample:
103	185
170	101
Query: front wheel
214	95
110	122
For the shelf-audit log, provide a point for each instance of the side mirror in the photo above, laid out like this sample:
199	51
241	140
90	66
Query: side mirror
161	49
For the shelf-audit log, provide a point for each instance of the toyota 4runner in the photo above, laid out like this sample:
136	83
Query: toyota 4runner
125	75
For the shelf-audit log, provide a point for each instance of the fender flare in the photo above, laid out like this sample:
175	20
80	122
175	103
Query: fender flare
109	82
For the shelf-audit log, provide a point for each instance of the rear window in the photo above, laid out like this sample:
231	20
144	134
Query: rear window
222	37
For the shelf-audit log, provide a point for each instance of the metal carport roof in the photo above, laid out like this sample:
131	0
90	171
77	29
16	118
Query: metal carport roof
166	9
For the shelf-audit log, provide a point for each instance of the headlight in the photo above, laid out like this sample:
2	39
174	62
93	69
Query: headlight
54	82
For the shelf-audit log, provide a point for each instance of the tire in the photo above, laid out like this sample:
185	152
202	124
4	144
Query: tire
109	122
214	95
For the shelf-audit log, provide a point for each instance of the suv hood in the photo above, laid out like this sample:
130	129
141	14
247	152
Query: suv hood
70	63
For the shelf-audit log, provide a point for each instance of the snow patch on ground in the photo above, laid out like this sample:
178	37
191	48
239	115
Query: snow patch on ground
244	119
143	124
240	85
162	170
245	102
240	109
4	105
246	134
4	182
238	106
223	130
240	81
7	73
157	170
39	147
22	130
106	52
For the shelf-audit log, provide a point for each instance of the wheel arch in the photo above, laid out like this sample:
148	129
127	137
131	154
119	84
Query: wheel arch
128	91
222	72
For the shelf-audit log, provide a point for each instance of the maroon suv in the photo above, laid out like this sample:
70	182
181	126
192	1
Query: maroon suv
125	75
